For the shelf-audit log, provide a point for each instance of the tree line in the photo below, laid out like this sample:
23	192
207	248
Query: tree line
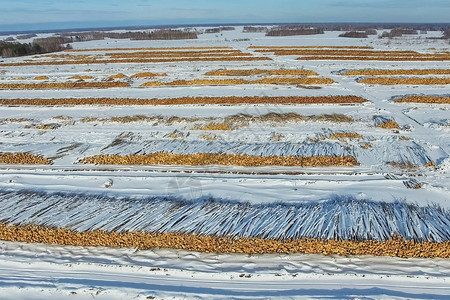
38	46
162	34
293	30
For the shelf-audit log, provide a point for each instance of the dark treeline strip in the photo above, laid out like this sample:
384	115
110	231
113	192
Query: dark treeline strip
293	30
255	29
446	34
56	43
354	34
39	46
26	36
219	29
398	32
379	26
163	34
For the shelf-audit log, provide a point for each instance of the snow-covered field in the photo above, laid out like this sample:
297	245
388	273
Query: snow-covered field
390	162
36	271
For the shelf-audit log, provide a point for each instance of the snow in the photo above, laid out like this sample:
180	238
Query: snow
68	272
311	185
37	271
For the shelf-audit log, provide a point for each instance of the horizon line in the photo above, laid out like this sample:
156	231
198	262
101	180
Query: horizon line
106	28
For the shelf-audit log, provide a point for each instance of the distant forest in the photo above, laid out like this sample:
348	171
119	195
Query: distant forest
162	34
293	30
38	46
10	48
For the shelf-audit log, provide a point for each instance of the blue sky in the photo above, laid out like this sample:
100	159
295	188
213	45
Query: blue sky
57	14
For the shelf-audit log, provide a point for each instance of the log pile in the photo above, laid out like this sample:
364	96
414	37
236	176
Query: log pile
63	85
134	61
70	56
81	77
117	76
424	99
273	117
428	57
345	135
165	158
141	240
341	54
310	47
23	158
357	53
41	78
174	54
230	100
214	126
390	124
283	80
294	81
147	49
374	72
238	120
410	81
147	74
261	72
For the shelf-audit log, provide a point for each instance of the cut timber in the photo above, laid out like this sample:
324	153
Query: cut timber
165	158
141	240
230	100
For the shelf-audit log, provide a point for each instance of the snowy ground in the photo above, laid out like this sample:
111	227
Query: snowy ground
82	273
42	271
